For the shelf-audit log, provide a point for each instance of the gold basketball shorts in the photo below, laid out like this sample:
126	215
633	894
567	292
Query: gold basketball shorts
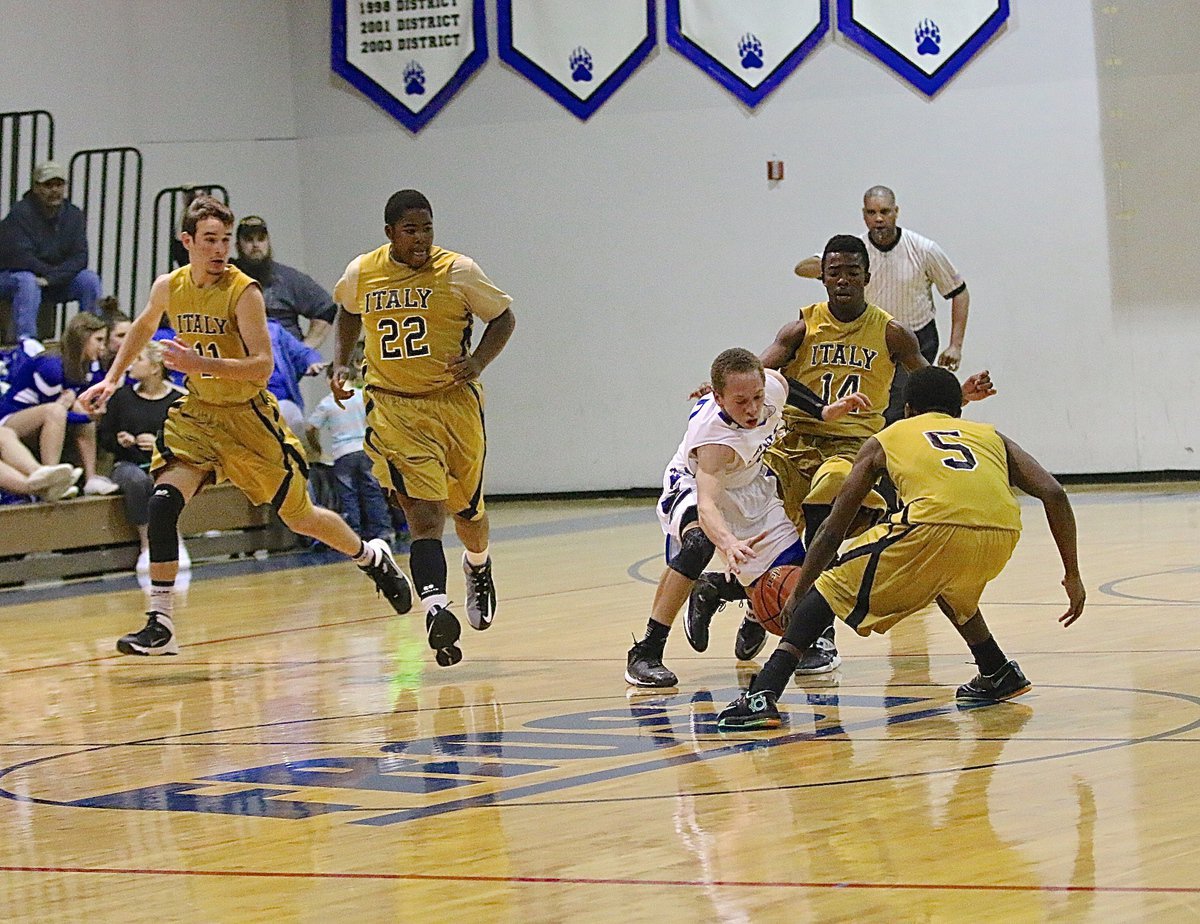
812	469
892	571
430	447
246	444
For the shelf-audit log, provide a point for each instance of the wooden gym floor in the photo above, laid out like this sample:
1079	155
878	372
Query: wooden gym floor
304	757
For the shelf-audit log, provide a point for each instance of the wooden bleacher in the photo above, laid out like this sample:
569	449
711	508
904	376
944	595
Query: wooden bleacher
42	542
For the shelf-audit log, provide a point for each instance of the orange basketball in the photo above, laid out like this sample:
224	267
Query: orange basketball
769	594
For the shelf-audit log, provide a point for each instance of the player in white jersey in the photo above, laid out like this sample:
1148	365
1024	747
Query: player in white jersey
904	268
719	497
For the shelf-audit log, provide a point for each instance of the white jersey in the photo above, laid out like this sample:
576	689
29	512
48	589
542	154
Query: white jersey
751	502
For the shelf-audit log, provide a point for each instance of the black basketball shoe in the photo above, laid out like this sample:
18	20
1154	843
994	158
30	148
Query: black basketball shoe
157	637
703	603
481	594
995	688
644	667
750	711
443	631
821	658
751	637
389	579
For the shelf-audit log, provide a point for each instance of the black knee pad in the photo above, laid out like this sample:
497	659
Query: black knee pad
695	552
166	503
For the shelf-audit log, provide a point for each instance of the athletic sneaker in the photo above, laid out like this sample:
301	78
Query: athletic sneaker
995	688
821	658
98	486
703	603
49	482
750	711
156	638
644	667
751	637
389	579
443	631
481	594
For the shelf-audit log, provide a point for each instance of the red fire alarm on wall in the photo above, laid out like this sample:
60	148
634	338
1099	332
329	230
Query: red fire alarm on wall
775	170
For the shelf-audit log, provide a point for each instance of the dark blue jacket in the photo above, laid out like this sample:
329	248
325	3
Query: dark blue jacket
55	247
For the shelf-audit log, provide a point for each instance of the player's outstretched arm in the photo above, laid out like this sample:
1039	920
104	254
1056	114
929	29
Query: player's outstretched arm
977	387
1026	473
711	461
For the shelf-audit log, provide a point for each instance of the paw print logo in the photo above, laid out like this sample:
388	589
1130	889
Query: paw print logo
581	65
929	39
750	49
414	79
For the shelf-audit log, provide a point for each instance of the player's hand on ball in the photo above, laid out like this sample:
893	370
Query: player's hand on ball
464	368
850	404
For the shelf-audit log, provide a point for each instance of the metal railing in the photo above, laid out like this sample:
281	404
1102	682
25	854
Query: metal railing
26	139
107	184
169	204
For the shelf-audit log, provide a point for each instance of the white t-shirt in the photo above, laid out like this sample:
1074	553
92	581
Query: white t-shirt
341	430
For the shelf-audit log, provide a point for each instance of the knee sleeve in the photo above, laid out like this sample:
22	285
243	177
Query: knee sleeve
695	552
166	503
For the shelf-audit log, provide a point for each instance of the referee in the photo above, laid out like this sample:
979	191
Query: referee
904	267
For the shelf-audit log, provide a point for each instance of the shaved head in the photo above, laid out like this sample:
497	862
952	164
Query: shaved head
880	192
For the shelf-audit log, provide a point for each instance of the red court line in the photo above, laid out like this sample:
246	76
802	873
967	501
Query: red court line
573	880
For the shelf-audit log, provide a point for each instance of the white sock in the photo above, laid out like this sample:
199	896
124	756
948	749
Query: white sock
162	599
368	556
435	600
475	559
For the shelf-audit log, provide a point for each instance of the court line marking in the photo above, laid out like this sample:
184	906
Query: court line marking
584	880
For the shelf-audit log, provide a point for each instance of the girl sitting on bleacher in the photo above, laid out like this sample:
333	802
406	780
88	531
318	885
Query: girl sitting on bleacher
40	402
20	473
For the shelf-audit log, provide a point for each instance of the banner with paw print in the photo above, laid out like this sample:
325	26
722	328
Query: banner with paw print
747	46
926	42
579	52
410	57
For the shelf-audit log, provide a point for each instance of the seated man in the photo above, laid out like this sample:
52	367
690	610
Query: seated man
289	293
954	534
44	251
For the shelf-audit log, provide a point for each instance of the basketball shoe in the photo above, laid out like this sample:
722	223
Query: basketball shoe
751	637
389	579
1006	683
704	602
750	711
821	658
481	594
443	631
644	667
157	637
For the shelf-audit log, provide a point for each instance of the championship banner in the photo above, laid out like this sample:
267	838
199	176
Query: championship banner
926	42
579	52
748	46
408	56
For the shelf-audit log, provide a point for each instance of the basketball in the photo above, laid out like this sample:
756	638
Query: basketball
769	594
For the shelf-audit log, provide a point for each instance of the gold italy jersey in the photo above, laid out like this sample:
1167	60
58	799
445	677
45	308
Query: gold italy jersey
205	319
838	358
415	321
950	471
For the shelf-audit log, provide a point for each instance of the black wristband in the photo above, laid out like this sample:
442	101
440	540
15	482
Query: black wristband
804	399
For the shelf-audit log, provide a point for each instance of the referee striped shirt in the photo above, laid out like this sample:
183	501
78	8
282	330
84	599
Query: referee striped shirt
901	277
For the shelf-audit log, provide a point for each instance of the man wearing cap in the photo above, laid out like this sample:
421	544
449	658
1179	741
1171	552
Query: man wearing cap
289	293
44	251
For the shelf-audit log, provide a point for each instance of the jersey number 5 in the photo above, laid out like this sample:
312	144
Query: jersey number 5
402	339
961	458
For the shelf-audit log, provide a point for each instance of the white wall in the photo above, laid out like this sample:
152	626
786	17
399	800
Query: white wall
640	243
